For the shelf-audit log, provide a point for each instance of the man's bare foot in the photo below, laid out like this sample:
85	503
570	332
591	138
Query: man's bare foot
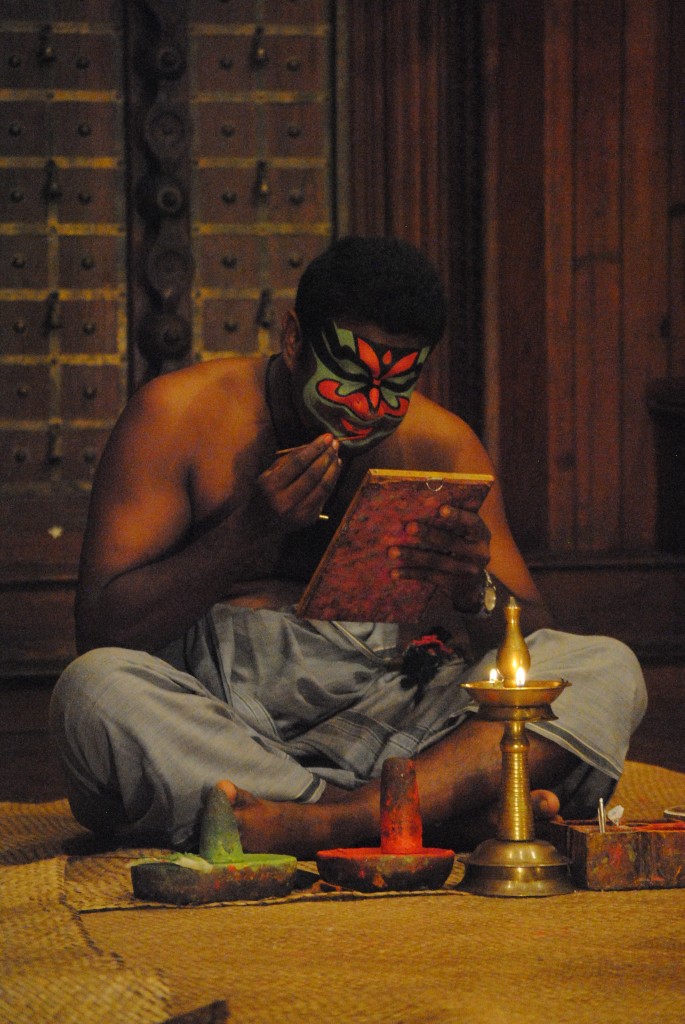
268	826
545	805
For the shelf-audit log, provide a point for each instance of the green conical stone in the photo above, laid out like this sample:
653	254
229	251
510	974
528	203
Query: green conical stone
219	836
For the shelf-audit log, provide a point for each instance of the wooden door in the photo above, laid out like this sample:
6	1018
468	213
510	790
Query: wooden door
165	174
62	302
233	176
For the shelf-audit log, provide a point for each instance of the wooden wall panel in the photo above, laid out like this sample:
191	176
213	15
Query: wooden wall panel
597	161
407	171
581	226
521	455
364	87
597	490
413	98
644	306
674	324
558	269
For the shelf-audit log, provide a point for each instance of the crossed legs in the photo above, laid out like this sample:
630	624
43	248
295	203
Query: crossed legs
458	780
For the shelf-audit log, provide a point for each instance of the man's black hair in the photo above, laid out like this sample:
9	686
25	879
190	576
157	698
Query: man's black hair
381	281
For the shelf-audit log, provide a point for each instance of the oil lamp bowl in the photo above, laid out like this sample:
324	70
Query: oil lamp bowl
535	693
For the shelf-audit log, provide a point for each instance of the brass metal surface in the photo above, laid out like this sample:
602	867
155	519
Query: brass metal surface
515	863
513	653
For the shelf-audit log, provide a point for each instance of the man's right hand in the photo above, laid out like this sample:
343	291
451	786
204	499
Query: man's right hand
298	484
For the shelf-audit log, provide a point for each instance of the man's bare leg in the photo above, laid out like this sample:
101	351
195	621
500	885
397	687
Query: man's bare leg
458	781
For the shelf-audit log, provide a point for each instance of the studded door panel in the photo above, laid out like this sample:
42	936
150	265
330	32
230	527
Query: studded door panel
62	221
63	357
165	176
234	103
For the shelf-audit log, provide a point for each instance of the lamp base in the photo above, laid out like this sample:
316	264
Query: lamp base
499	867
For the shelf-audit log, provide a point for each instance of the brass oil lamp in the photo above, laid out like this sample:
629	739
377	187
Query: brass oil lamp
515	863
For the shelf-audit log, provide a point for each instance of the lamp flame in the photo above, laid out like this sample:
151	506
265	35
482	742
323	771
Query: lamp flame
494	675
520	676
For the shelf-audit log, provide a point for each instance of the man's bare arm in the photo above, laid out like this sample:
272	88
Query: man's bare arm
455	555
147	573
147	605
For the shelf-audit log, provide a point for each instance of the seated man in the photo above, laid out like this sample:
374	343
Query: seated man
202	532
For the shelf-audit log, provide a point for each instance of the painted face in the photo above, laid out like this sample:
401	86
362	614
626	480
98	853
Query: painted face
360	389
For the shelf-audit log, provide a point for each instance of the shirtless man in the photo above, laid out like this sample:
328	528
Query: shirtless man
200	539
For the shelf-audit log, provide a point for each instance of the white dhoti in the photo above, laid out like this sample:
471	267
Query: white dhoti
281	706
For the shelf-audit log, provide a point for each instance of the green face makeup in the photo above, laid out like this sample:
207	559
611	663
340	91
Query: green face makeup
360	390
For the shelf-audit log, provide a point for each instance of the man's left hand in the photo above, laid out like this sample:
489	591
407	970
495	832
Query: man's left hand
451	551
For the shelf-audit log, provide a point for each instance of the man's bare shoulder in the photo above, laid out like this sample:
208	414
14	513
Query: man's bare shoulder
190	417
427	414
188	406
226	382
432	437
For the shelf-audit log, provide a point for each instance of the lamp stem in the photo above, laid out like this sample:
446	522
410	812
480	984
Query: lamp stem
516	811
